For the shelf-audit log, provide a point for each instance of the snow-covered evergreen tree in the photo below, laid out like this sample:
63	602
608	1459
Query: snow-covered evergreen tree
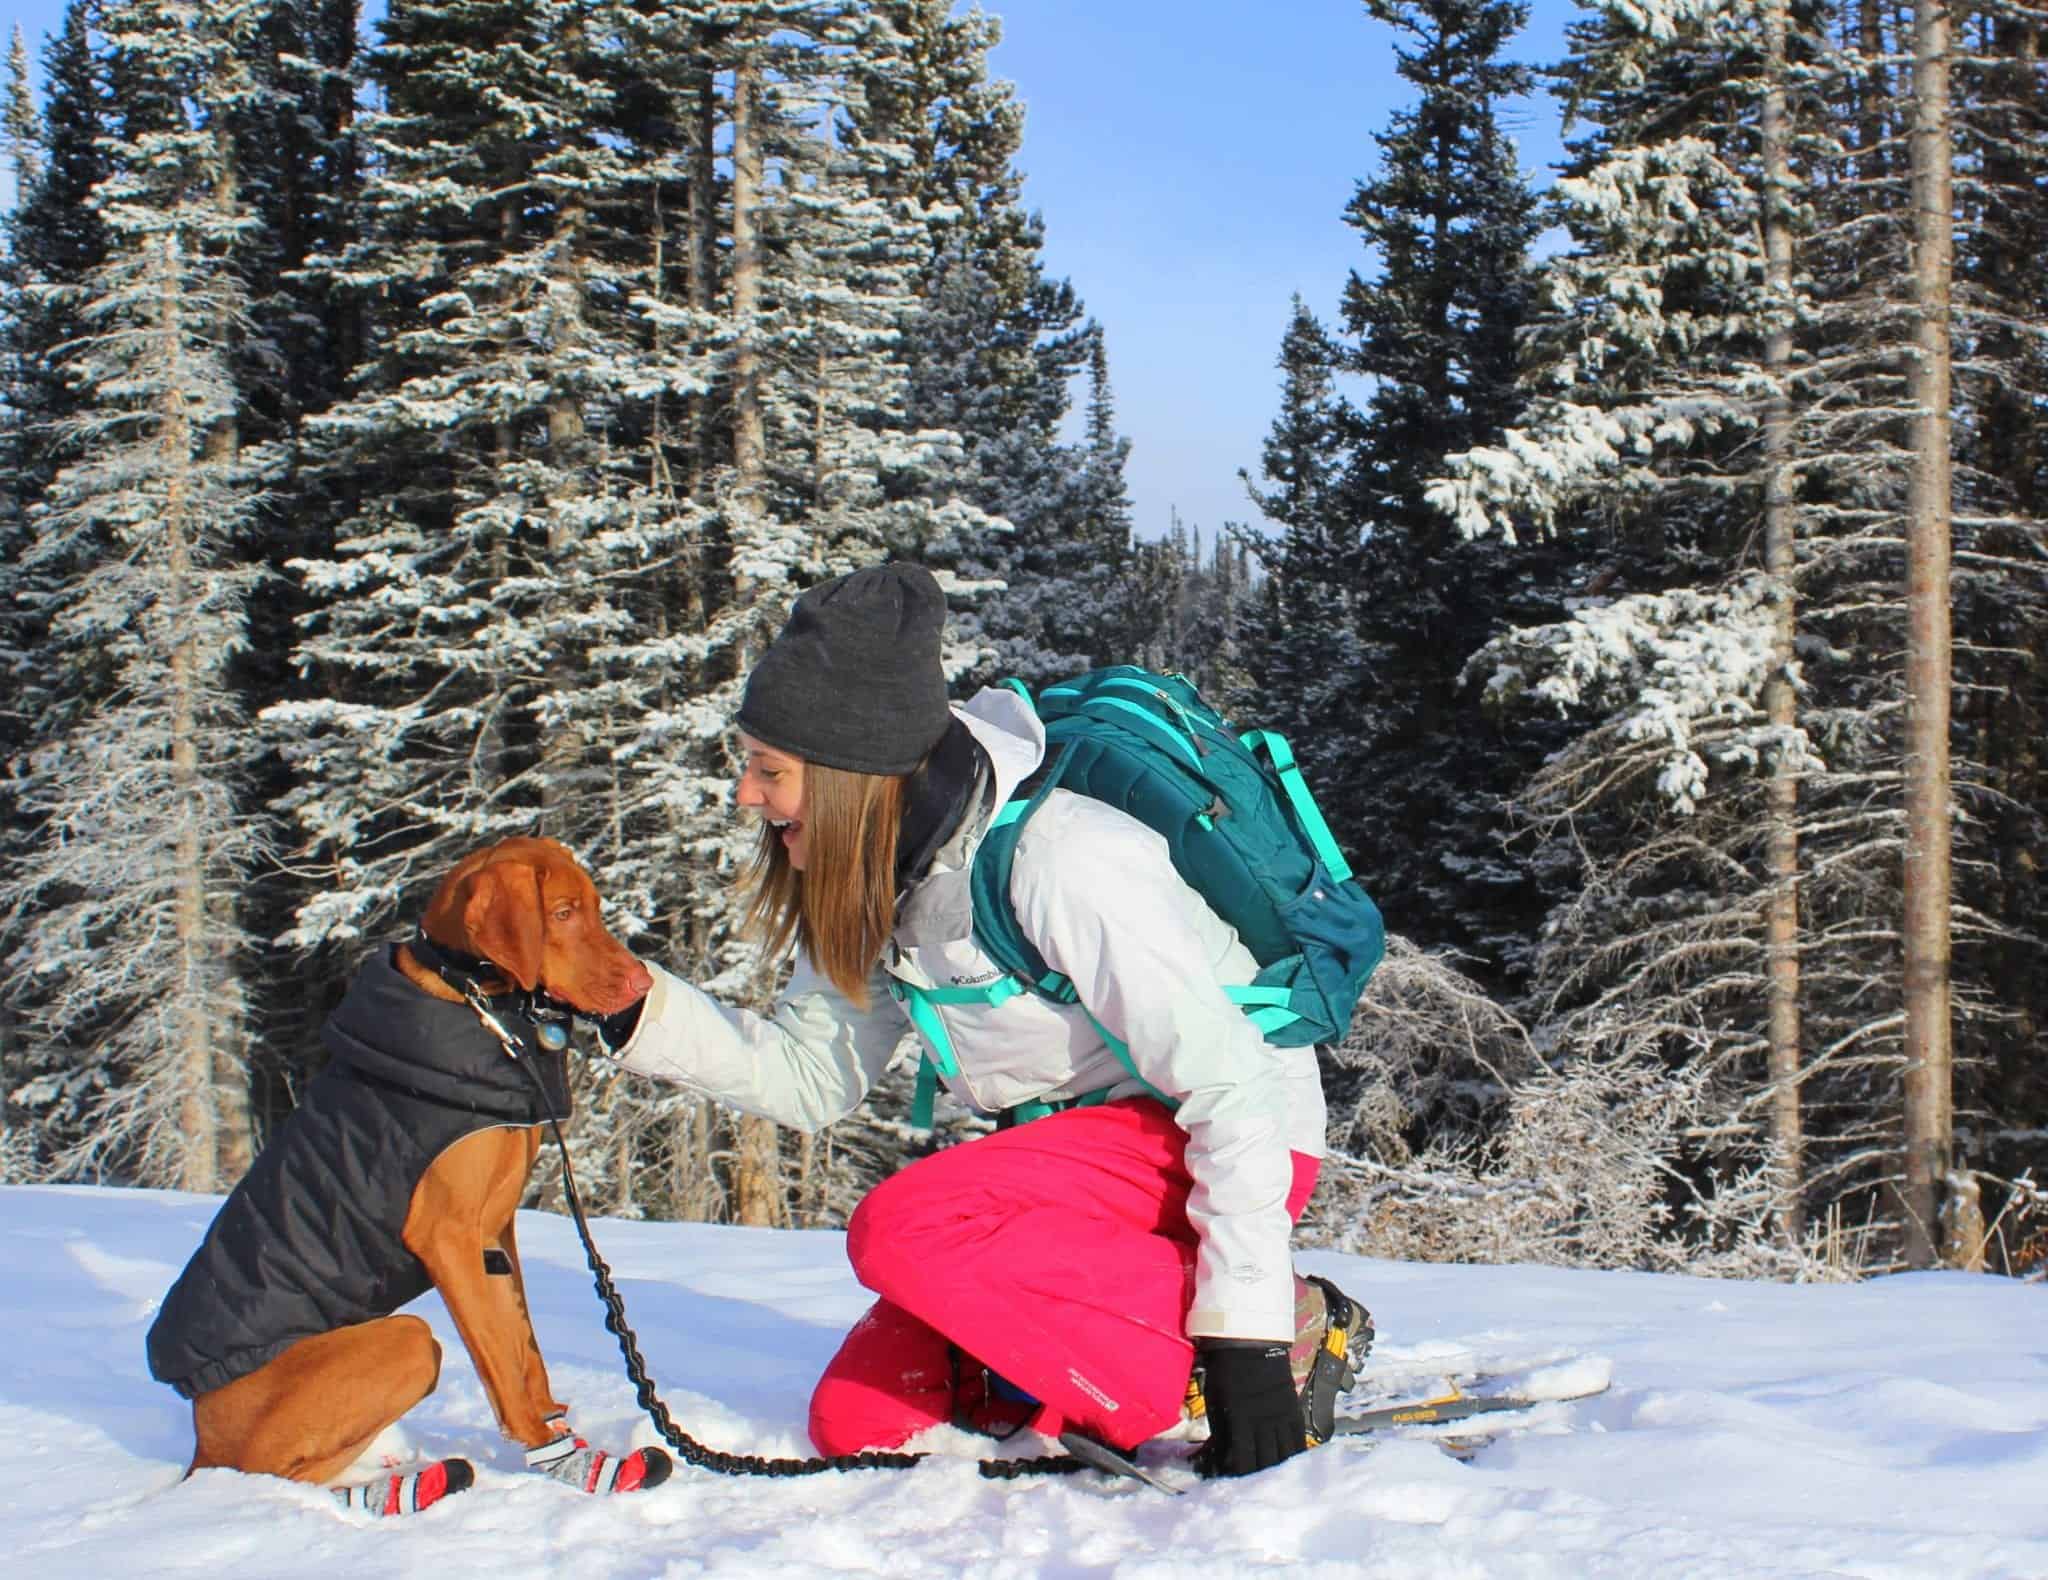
1305	661
994	348
475	654
1719	389
21	127
1097	588
22	130
20	368
2000	621
1447	220
591	454
55	238
1192	604
469	583
1665	371
127	951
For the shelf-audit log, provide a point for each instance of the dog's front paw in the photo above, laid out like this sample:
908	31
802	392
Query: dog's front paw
569	1459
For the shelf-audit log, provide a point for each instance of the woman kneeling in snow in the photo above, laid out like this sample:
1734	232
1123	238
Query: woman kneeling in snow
1096	1257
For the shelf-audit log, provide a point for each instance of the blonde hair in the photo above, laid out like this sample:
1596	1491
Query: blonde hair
842	908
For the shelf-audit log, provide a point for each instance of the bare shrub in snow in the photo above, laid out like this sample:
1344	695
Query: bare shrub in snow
1571	1154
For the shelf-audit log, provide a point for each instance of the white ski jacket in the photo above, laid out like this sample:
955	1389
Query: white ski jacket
1096	892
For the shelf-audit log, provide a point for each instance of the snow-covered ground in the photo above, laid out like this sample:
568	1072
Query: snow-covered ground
1896	1428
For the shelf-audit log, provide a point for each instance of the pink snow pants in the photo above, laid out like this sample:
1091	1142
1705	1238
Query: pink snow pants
1057	1253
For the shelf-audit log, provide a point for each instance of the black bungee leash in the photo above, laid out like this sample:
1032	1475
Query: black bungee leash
687	1447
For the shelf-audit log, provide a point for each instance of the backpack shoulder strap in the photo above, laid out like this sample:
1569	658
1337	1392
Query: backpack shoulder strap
995	931
1306	812
995	920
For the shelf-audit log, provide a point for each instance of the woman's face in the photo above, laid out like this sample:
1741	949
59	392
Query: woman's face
772	784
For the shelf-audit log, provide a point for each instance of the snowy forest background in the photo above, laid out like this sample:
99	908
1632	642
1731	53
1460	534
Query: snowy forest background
413	430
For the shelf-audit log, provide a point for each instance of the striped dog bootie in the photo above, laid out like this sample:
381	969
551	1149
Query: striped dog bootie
569	1459
411	1491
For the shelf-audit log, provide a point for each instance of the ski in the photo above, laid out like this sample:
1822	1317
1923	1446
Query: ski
1456	1405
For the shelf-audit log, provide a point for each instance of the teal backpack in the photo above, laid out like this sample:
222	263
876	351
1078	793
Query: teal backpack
1243	830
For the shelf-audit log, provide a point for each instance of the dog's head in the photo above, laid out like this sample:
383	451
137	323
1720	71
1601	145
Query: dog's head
530	909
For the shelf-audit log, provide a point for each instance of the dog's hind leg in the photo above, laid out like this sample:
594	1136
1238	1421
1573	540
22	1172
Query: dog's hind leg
310	1413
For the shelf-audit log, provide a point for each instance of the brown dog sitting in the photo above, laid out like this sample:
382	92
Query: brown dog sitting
402	1168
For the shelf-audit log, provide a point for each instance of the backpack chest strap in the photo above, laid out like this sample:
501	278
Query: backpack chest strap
939	1060
921	1004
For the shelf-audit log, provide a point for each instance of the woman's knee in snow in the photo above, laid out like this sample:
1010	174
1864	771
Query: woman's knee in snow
853	1416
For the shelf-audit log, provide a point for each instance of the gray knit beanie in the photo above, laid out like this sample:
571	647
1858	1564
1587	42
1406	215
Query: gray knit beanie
853	680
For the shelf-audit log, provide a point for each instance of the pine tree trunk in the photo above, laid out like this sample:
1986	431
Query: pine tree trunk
805	1188
233	1115
565	411
757	1174
190	1020
16	1147
562	748
821	419
234	1106
749	441
757	1165
343	316
703	217
1781	919
697	1184
1929	1118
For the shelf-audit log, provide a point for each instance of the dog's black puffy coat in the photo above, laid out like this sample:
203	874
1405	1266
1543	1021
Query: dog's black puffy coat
310	1240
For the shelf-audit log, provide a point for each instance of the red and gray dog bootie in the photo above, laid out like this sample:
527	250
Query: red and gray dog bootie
569	1459
411	1491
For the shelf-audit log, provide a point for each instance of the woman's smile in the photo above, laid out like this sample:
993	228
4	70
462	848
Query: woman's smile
772	784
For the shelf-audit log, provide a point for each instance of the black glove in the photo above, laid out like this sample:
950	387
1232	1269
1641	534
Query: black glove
618	1027
1254	1411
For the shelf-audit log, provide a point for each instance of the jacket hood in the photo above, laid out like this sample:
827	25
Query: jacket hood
1012	739
1010	731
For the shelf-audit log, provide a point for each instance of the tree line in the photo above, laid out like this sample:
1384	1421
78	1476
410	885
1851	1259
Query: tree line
413	438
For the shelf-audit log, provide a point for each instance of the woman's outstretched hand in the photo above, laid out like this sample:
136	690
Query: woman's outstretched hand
616	1029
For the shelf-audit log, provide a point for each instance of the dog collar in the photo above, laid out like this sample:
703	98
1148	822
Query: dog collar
549	1017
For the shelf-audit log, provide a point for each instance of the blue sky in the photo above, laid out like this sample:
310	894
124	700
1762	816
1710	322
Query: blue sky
1193	159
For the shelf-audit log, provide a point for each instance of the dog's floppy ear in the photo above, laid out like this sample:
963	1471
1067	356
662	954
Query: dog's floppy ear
502	918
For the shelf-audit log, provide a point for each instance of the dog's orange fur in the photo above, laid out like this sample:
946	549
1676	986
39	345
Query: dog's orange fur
528	908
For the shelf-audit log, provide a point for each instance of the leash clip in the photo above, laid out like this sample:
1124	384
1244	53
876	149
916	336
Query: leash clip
512	1045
